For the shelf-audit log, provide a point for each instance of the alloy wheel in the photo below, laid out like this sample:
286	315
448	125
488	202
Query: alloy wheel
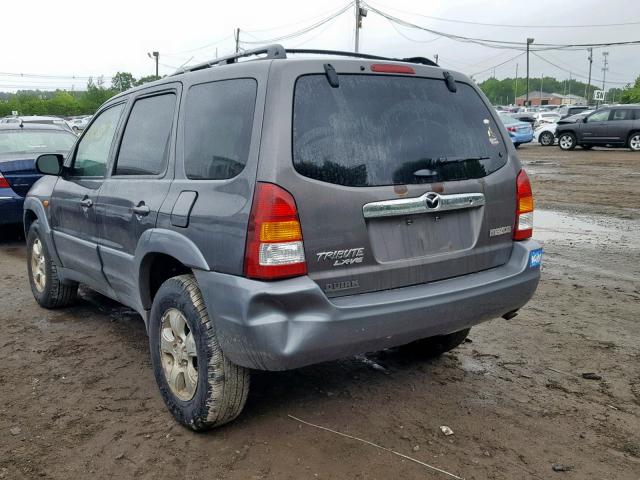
566	142
634	142
179	355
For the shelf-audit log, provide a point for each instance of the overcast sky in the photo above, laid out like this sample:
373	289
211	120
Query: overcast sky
100	38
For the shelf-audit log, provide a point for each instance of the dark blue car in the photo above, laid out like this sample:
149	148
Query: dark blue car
20	145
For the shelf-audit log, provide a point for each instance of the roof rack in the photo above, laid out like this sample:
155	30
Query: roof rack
270	52
276	51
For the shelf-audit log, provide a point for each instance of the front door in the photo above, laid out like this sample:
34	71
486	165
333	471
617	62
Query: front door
132	195
73	201
595	129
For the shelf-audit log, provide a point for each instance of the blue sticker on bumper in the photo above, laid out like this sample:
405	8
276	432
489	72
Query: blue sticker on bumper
535	258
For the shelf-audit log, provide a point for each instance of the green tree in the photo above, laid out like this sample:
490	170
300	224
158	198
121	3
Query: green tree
147	79
631	94
122	81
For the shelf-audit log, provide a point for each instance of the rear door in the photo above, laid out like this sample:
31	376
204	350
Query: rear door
398	180
74	199
140	179
620	124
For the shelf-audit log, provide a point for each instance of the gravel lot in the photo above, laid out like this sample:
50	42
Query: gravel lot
78	397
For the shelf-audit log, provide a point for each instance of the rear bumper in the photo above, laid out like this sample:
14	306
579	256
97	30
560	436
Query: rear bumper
291	323
522	138
10	207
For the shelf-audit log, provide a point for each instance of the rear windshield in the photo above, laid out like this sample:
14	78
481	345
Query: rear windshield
384	130
35	141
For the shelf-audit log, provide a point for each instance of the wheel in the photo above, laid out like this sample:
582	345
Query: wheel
517	145
634	141
199	385
47	288
567	141
546	139
436	346
586	147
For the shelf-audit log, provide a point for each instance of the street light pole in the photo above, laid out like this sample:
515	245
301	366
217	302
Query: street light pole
515	90
360	13
529	42
156	56
587	89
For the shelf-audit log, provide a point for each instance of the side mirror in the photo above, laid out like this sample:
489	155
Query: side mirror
50	164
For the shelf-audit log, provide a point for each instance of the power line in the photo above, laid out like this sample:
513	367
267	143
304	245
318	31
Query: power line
571	71
498	65
42	75
300	32
514	45
467	22
174	54
281	27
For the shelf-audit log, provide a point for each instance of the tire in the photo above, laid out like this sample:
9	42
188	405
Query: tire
634	141
567	141
207	390
516	145
47	288
435	346
546	139
586	147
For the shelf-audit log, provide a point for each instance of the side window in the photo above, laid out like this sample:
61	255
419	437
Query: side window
621	114
218	124
599	116
145	143
92	153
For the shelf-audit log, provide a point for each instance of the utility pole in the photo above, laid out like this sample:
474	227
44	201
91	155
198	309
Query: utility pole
436	57
587	89
236	35
155	55
515	90
360	13
604	73
570	100
529	42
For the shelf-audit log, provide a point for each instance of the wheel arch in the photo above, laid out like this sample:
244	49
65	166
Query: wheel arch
33	210
160	255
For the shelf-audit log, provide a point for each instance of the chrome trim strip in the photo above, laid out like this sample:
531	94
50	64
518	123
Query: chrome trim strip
415	205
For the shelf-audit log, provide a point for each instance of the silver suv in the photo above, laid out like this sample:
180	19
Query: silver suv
298	208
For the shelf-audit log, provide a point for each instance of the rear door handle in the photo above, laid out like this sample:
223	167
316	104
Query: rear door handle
86	203
141	210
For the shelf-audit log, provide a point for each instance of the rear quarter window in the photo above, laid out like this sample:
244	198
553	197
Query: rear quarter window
218	124
381	129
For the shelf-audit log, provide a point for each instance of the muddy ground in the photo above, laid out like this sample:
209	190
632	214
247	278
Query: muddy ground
78	397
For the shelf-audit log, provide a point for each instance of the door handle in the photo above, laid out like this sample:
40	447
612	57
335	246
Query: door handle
86	203
141	210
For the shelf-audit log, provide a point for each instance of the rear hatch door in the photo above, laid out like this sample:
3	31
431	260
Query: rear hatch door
398	181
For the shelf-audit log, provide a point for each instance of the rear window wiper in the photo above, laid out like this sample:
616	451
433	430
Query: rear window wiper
441	160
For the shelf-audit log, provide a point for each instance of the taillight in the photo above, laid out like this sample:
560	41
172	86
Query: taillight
3	182
274	238
512	129
524	208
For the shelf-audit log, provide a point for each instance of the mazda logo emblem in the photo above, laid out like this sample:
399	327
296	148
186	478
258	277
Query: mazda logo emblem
432	200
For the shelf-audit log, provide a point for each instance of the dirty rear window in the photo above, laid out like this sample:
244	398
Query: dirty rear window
386	130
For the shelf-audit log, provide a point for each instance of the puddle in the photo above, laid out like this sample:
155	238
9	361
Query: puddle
550	225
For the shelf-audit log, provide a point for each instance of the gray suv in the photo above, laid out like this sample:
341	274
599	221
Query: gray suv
617	126
298	208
